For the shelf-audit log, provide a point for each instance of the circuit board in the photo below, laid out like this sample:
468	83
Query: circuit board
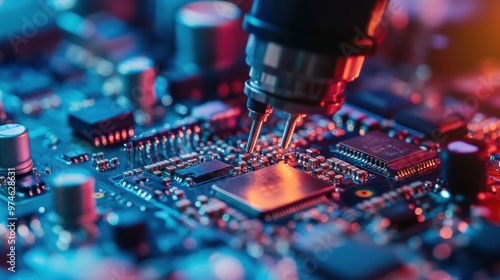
358	195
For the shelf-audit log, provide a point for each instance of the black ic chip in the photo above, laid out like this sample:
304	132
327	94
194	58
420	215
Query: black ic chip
76	156
105	123
273	192
399	215
31	186
432	123
324	254
205	171
388	156
381	103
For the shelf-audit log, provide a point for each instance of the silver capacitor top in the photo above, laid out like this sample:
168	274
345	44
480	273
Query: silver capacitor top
14	149
208	35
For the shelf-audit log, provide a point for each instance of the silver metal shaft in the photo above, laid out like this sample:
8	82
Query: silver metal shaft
290	125
254	134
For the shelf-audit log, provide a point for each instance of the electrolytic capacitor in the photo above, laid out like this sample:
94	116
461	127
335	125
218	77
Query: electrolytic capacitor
464	168
128	230
14	149
138	75
208	35
74	203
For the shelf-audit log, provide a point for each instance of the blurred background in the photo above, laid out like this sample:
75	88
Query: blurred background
431	47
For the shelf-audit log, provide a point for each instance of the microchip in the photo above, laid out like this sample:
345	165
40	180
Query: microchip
381	103
219	116
433	123
327	256
388	156
399	215
105	123
273	192
205	171
77	156
25	83
30	186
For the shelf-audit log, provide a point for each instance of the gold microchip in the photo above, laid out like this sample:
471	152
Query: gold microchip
273	192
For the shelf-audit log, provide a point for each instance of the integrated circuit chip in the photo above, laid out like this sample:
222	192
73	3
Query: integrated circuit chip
105	123
76	156
205	171
382	103
273	192
338	258
432	123
388	156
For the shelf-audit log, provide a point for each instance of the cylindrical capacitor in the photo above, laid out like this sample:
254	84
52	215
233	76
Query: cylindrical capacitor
208	35
74	202
138	75
464	168
128	230
14	149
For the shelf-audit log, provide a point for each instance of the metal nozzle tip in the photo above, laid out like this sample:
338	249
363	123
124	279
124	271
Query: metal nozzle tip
253	135
290	125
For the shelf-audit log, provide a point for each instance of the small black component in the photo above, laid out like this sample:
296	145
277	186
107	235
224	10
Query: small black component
465	167
433	123
76	156
400	215
205	171
273	192
381	103
30	185
128	229
105	123
485	241
137	179
388	156
343	258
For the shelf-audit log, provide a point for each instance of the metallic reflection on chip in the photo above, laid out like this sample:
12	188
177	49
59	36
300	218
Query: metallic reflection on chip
273	192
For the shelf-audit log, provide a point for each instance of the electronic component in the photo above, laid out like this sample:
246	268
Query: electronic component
128	230
74	204
105	123
388	156
464	168
218	116
138	76
14	149
273	192
76	156
208	24
25	83
438	127
399	216
204	171
334	257
381	103
31	186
